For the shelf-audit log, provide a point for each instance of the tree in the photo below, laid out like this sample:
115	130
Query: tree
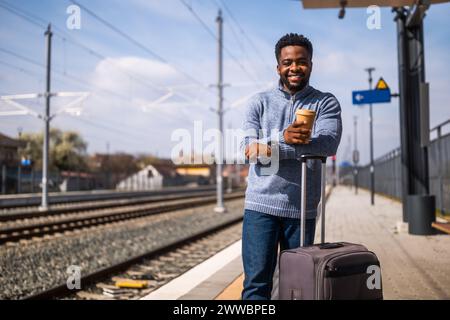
33	149
118	163
67	150
144	160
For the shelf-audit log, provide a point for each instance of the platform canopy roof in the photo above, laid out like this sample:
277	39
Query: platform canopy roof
323	4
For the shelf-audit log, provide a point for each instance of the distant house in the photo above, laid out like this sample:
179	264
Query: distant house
152	177
9	150
76	181
199	174
9	163
165	173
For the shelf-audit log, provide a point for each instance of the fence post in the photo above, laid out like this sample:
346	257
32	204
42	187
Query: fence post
32	180
4	179
19	178
440	173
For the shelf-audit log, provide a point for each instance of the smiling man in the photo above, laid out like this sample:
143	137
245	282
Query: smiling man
272	202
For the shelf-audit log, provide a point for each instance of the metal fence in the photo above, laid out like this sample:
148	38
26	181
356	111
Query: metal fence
17	179
388	171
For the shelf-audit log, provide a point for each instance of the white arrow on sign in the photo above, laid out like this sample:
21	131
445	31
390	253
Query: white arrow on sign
359	97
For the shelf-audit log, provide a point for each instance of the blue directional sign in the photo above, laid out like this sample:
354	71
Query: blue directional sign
25	162
371	96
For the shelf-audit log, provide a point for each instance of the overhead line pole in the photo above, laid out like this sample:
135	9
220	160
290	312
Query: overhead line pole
355	154
372	167
44	202
219	157
46	117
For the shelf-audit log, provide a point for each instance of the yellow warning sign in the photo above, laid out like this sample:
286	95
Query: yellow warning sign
381	85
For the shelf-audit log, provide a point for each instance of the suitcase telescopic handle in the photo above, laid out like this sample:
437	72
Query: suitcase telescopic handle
304	158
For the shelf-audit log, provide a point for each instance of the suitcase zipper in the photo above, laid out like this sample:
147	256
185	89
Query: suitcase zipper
321	270
347	270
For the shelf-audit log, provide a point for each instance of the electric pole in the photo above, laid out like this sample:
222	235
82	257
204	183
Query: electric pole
219	157
44	202
231	171
355	154
108	171
372	168
46	117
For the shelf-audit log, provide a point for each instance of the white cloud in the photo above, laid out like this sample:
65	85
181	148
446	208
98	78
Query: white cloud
134	111
111	72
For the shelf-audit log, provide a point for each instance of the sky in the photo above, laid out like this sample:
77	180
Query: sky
156	72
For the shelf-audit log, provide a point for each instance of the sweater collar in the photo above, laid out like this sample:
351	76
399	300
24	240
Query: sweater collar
297	95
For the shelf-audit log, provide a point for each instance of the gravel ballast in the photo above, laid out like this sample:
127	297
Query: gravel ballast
34	266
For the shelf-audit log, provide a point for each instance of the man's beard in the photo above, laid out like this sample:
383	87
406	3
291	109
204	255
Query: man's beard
296	87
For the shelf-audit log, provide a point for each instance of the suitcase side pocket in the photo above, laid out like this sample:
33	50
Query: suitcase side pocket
347	277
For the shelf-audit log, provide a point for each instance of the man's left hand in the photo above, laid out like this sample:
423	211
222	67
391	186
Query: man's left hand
255	149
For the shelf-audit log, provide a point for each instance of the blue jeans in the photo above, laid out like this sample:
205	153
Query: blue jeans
261	234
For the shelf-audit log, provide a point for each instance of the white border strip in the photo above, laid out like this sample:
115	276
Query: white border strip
192	278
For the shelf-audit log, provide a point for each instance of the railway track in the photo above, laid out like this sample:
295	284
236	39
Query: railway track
32	201
92	205
104	215
62	290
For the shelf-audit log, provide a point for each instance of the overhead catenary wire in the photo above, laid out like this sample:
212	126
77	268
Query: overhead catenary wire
62	75
250	41
79	81
66	75
122	134
213	35
73	78
30	73
32	18
113	129
138	44
257	51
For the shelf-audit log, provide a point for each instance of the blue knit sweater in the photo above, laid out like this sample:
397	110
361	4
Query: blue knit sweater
274	187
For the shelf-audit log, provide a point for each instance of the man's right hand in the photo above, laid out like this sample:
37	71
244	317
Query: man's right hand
255	149
297	133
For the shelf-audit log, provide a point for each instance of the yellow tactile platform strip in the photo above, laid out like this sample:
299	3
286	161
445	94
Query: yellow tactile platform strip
233	291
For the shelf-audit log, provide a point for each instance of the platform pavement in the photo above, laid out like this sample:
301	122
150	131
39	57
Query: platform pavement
413	267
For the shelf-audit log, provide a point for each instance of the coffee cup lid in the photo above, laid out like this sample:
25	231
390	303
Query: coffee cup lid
305	111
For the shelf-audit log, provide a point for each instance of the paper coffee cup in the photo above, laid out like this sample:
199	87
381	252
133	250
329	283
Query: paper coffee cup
306	115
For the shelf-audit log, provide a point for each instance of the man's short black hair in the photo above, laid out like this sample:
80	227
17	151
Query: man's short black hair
293	39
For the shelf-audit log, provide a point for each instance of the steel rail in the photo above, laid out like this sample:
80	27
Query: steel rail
100	204
16	233
62	290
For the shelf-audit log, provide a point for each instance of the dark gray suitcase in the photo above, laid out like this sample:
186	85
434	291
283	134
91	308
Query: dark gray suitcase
327	271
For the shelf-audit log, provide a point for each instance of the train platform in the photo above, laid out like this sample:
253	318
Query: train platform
413	267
